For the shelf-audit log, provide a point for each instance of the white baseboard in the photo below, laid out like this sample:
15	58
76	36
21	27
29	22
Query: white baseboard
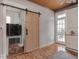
72	49
48	44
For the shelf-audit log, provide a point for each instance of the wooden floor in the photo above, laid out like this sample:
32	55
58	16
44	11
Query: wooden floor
44	53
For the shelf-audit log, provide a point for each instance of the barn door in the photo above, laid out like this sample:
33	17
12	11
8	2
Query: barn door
32	31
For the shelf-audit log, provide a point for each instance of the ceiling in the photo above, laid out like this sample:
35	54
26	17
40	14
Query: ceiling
54	4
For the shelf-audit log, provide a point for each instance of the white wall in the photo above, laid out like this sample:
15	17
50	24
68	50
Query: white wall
46	20
72	25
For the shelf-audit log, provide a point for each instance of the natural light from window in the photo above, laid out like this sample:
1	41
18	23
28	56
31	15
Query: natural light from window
61	16
60	48
61	27
8	19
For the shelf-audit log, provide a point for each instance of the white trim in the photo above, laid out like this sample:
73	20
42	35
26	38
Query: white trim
5	47
72	49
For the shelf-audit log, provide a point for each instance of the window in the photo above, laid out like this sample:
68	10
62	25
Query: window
8	19
61	27
61	16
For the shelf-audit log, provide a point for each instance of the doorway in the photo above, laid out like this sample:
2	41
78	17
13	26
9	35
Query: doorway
14	30
60	27
32	31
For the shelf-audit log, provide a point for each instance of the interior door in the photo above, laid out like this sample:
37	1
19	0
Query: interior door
32	32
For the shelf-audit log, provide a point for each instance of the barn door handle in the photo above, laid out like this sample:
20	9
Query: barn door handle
0	27
26	31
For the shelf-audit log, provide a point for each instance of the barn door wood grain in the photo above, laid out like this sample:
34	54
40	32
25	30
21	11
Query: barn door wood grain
32	27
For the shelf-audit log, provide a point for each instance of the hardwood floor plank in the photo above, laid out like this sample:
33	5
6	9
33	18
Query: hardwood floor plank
42	53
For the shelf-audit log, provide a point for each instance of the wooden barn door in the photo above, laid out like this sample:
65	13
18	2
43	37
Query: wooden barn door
32	32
